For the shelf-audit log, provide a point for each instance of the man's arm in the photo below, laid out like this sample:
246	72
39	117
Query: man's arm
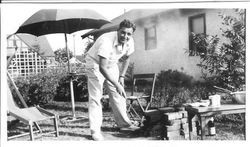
125	64
105	70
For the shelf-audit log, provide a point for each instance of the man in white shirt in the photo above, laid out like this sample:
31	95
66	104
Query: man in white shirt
102	64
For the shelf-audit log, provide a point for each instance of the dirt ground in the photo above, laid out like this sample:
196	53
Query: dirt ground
75	129
78	130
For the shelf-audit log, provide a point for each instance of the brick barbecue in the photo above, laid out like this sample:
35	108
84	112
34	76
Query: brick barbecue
170	123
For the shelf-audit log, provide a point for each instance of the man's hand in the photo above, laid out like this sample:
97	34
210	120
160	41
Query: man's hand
105	70
121	90
121	81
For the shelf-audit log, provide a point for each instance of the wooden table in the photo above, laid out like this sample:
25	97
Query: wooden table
204	112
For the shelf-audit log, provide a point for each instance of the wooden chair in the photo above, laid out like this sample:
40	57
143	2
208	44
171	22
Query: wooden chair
137	95
29	115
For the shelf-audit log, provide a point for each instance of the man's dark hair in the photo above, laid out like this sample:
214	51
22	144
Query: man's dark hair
127	24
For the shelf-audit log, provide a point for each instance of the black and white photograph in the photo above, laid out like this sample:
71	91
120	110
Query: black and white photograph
137	71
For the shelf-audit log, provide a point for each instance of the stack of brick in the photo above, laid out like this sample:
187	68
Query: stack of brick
169	123
153	123
176	126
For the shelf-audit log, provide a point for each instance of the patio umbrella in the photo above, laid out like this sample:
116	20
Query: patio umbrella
98	32
49	21
67	21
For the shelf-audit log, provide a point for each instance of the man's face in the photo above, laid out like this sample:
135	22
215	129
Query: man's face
124	34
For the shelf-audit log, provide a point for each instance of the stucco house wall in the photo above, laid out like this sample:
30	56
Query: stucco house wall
172	33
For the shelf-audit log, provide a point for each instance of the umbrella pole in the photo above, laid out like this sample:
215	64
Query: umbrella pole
71	81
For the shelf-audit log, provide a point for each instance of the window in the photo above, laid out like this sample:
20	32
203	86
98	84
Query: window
150	38
197	25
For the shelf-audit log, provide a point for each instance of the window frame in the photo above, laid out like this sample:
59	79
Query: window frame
147	38
192	50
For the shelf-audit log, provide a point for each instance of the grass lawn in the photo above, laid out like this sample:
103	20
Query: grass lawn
79	129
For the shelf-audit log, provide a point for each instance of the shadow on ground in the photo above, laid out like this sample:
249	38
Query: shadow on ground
60	106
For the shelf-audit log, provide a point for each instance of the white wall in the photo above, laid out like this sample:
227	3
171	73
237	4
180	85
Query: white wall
172	40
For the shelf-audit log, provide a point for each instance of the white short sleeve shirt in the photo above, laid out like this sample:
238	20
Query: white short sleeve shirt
107	46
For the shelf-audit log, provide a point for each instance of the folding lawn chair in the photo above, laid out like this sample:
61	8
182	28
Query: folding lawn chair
141	81
28	115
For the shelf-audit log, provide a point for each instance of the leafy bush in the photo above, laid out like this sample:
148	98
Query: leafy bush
80	89
168	84
175	88
173	78
52	84
38	89
223	60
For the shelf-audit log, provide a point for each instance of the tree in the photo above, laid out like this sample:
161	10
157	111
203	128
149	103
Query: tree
223	60
61	55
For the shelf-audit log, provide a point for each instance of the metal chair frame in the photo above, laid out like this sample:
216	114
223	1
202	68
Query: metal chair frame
33	116
136	99
27	119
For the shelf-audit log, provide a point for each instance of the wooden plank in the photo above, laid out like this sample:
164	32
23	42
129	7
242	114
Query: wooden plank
224	112
175	115
172	115
166	109
224	107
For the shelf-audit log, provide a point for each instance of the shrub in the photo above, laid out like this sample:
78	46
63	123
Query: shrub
80	89
173	78
223	60
22	85
168	85
38	89
52	84
175	88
